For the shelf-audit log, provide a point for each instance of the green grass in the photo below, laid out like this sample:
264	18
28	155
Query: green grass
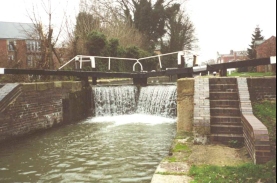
181	147
171	159
266	112
250	74
246	173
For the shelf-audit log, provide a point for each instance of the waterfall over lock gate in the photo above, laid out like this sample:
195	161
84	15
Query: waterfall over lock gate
157	100
114	100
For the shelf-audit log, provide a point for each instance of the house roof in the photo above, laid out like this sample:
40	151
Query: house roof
265	41
259	42
238	53
14	30
241	53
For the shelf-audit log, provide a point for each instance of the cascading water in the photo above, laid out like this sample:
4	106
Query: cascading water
114	100
157	100
110	147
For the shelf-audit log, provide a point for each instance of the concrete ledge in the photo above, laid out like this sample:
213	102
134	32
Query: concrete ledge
72	85
157	178
8	93
42	86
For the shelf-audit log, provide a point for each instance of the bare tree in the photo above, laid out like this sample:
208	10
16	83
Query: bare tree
44	35
104	16
180	33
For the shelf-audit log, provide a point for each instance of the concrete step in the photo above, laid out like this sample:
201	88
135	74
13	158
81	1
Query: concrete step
226	129
226	120
223	87
226	138
223	96
9	95
225	111
223	81
224	103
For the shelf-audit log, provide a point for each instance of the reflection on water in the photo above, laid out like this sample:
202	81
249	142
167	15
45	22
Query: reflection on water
105	149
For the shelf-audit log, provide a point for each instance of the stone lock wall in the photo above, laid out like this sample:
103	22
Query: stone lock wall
41	106
202	117
193	111
185	104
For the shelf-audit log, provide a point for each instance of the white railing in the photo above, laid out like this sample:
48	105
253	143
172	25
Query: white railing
83	58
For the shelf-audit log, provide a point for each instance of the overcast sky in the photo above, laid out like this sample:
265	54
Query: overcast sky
221	25
224	25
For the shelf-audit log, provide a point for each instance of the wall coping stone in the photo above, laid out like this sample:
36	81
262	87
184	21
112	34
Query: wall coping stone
41	86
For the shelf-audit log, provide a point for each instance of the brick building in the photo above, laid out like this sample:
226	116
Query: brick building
265	49
232	56
17	49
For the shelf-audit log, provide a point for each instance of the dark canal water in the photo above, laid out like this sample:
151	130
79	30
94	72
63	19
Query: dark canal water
103	149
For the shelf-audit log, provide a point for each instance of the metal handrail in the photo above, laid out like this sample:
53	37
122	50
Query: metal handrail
92	59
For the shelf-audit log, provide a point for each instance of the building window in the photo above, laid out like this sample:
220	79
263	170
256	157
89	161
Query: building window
28	45
11	45
30	61
38	46
11	57
33	46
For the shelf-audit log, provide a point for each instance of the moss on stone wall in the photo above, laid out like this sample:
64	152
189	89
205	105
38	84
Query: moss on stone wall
77	105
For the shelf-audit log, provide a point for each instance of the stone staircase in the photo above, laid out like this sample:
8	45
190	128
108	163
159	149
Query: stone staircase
226	126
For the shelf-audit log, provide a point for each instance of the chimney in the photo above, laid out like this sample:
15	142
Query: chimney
231	52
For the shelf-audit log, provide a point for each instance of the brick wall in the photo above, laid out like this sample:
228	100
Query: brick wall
255	133
201	118
256	139
3	53
40	106
262	88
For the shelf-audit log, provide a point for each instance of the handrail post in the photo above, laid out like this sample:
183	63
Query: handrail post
137	62
160	61
92	60
77	66
81	62
109	64
181	60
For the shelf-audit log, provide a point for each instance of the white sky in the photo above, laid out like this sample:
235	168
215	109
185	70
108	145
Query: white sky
221	25
224	25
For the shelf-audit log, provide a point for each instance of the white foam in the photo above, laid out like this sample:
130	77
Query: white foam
130	119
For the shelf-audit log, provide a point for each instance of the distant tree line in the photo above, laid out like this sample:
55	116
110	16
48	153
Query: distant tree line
131	29
116	28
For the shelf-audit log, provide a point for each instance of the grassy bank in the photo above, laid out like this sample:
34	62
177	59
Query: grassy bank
250	74
246	173
266	112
